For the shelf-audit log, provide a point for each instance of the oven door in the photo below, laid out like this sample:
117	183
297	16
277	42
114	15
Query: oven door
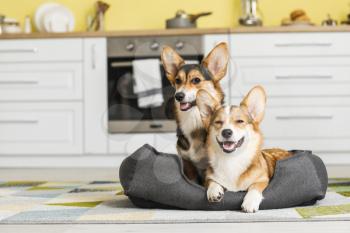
124	114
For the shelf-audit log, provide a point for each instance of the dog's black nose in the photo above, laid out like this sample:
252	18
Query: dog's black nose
226	133
179	96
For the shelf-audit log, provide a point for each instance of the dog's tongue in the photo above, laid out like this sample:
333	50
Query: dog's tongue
228	145
185	106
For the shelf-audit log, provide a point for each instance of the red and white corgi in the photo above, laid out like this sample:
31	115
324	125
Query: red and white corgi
234	144
188	79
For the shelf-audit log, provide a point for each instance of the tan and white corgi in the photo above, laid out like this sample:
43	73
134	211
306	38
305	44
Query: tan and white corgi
187	80
234	144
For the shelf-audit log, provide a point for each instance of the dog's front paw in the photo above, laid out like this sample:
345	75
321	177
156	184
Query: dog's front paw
215	192
252	201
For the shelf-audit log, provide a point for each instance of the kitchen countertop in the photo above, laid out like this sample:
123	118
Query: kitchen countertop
171	32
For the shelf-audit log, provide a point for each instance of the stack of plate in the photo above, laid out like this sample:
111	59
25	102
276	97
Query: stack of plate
53	17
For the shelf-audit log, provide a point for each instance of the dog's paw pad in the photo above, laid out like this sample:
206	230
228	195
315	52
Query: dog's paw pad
215	193
252	202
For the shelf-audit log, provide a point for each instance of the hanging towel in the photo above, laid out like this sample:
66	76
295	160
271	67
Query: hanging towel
148	82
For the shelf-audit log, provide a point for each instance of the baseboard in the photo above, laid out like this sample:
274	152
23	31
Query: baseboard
112	161
76	161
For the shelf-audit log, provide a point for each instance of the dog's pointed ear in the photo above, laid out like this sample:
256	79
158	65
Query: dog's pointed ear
217	60
207	105
171	62
255	102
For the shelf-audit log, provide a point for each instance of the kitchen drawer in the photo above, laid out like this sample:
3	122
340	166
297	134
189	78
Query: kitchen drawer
308	127
291	77
40	81
46	128
290	44
125	144
41	50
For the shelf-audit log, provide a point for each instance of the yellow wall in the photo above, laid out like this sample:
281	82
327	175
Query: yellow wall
147	14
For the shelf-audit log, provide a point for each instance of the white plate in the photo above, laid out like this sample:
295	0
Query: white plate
58	19
56	15
39	13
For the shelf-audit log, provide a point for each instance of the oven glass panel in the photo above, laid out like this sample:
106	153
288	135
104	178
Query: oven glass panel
122	100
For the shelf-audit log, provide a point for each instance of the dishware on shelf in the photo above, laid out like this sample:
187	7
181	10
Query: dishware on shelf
10	26
54	17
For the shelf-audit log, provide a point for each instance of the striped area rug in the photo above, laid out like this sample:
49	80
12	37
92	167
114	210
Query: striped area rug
31	202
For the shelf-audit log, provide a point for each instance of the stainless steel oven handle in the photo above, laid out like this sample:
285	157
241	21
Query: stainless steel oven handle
129	63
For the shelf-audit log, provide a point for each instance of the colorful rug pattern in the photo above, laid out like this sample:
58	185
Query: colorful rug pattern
30	202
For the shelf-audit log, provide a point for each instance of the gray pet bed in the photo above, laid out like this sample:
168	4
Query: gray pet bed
152	179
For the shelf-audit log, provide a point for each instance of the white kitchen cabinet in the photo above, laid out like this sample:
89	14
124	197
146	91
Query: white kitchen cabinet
95	95
307	80
289	44
40	81
307	127
45	50
294	77
41	128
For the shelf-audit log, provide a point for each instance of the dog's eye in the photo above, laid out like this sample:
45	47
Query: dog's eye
239	121
219	122
196	80
178	81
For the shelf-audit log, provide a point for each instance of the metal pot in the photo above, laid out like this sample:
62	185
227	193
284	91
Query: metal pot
184	20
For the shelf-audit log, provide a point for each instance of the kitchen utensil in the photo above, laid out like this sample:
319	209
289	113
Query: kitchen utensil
184	20
97	23
2	17
329	21
346	21
58	18
249	13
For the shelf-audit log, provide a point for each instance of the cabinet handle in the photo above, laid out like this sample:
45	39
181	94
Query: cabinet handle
314	44
93	56
289	77
19	82
33	50
155	126
19	121
305	117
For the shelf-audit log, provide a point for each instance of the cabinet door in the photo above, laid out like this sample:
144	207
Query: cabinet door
95	95
210	41
40	128
166	142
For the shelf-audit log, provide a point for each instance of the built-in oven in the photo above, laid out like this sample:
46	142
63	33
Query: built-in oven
124	113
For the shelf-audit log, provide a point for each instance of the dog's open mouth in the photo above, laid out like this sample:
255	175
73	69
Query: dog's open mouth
186	106
230	146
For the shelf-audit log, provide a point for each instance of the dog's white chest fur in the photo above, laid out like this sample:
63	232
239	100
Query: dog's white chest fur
228	168
189	121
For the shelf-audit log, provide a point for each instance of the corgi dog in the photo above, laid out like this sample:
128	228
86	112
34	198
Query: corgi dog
234	145
188	79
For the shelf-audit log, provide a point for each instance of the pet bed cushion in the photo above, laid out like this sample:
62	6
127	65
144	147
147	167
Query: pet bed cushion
152	179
